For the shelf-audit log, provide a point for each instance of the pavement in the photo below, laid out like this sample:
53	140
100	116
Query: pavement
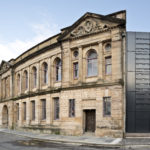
79	140
105	142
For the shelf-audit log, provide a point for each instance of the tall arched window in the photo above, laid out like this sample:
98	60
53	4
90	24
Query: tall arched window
45	73
58	69
92	63
34	74
26	79
18	83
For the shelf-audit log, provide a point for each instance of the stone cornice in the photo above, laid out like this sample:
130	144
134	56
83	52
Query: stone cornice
54	90
36	54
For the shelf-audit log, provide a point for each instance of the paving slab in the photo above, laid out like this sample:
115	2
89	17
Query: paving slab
81	140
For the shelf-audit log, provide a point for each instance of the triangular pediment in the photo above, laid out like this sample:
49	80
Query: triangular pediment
88	24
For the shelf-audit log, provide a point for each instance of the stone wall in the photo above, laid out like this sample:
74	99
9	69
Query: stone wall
88	91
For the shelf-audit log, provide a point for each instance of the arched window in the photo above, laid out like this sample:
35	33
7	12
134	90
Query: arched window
92	63
45	73
18	83
26	79
58	69
34	74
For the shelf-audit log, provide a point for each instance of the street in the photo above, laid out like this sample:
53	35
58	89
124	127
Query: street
15	142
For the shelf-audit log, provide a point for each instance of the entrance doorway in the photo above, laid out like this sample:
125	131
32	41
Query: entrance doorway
5	116
90	120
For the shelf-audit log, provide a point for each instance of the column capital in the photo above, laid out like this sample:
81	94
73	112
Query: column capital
99	42
80	47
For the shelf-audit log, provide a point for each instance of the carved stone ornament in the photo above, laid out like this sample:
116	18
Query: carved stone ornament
5	66
87	27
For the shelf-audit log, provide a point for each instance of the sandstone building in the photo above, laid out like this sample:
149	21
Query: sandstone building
71	83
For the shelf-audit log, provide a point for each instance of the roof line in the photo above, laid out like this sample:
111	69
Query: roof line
117	12
37	45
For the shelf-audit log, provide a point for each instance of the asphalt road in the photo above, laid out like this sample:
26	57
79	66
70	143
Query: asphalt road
14	142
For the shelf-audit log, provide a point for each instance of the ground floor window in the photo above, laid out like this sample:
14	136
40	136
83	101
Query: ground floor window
33	109
71	107
56	108
107	106
17	111
43	109
24	109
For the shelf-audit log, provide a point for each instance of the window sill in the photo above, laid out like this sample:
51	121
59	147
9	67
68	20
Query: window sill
71	117
44	86
43	121
108	75
34	89
107	53
75	78
107	116
91	76
26	91
24	121
56	120
33	120
57	82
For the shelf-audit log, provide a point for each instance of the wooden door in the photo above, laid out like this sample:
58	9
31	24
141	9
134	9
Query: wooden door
90	121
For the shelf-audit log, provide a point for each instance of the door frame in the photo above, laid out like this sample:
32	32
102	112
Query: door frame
84	119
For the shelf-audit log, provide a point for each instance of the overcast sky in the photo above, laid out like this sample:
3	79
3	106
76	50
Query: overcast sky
25	23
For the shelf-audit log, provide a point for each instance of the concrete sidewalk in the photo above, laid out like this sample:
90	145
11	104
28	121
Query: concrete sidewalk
80	140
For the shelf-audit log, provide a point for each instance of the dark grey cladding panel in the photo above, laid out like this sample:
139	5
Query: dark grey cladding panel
138	82
131	41
131	81
141	35
131	61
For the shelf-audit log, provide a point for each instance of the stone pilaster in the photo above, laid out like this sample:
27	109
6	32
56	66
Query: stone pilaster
100	61
80	64
38	75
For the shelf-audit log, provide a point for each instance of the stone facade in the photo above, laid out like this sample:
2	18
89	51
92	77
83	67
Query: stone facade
63	68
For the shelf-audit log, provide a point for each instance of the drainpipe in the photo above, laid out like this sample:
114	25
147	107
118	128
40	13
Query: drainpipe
123	34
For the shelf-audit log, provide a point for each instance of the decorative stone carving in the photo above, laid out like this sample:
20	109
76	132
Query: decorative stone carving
87	27
4	66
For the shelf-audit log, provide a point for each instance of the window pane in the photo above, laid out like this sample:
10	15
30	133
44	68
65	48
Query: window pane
26	79
71	108
75	70
24	105
19	83
35	77
56	108
108	69
107	106
43	109
94	72
45	67
58	70
33	110
108	65
17	111
89	68
92	64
